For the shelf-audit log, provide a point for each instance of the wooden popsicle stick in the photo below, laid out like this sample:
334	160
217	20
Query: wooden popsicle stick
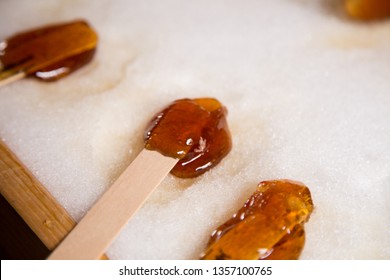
13	78
34	204
96	231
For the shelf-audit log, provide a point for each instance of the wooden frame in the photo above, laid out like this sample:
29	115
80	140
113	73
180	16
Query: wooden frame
37	207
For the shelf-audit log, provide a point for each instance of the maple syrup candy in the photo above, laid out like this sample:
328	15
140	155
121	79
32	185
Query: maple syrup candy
193	130
48	53
268	226
368	9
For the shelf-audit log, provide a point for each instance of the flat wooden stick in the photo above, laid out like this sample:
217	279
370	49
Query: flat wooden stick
37	207
96	231
13	78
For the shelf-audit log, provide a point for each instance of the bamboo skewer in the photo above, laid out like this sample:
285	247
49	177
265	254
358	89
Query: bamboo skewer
96	231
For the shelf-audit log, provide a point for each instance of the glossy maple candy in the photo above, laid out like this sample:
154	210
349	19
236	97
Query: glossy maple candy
368	9
192	130
268	226
50	52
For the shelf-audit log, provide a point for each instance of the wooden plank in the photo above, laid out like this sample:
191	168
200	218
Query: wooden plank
96	231
38	208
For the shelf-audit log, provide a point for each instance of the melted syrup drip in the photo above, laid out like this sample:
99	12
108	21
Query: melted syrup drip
192	130
368	9
268	226
50	52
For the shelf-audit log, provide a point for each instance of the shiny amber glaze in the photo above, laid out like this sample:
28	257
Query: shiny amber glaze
64	67
368	9
268	226
192	130
50	52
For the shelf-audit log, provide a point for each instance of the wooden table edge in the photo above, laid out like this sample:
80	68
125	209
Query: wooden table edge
31	200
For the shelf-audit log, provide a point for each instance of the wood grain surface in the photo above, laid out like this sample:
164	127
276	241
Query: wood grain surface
38	208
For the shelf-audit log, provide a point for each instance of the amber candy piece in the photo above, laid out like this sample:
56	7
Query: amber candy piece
268	226
368	9
50	52
192	130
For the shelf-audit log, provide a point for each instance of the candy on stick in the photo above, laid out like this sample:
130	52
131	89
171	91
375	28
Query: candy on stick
47	53
268	226
184	130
